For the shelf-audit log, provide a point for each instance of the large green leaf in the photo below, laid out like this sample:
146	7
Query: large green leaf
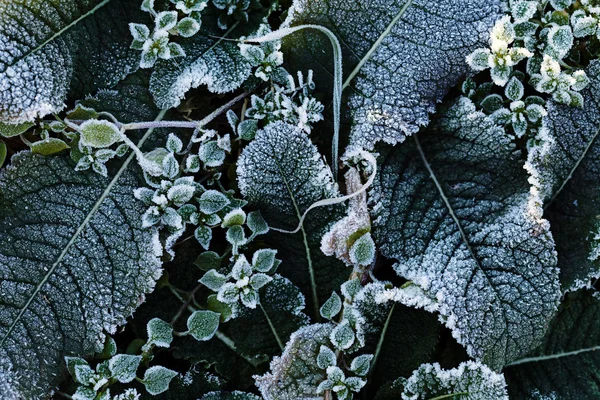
470	380
283	174
567	364
74	262
210	59
50	47
401	57
295	374
452	206
565	169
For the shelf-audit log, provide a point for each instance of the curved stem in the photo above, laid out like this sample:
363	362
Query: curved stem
337	78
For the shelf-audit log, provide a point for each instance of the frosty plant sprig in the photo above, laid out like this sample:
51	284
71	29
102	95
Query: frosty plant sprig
155	44
545	35
337	78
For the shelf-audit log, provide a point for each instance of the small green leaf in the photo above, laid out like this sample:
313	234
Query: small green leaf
211	154
233	218
84	393
342	336
166	20
203	235
259	280
203	324
83	374
212	201
174	144
160	333
82	112
514	89
48	146
208	260
326	357
110	348
492	103
157	379
350	289
213	280
247	129
99	133
123	367
361	364
257	223
72	362
362	251
236	236
10	130
188	27
331	307
263	260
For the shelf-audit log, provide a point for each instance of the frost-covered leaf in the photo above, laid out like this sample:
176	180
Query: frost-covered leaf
389	328
128	101
51	48
98	133
74	261
282	173
296	375
212	201
331	307
470	380
412	56
123	367
566	365
452	206
10	130
209	60
160	333
235	395
156	379
48	146
203	324
565	173
284	305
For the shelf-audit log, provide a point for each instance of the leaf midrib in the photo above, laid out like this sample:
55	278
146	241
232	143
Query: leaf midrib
376	45
572	172
552	356
458	224
58	33
78	232
311	271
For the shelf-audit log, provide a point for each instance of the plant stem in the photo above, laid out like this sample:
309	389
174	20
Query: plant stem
210	117
185	304
218	334
279	342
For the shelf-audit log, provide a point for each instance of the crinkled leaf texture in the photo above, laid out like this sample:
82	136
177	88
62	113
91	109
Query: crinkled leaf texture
236	395
452	207
283	303
473	380
565	173
209	60
567	364
420	57
296	375
48	48
282	173
74	262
